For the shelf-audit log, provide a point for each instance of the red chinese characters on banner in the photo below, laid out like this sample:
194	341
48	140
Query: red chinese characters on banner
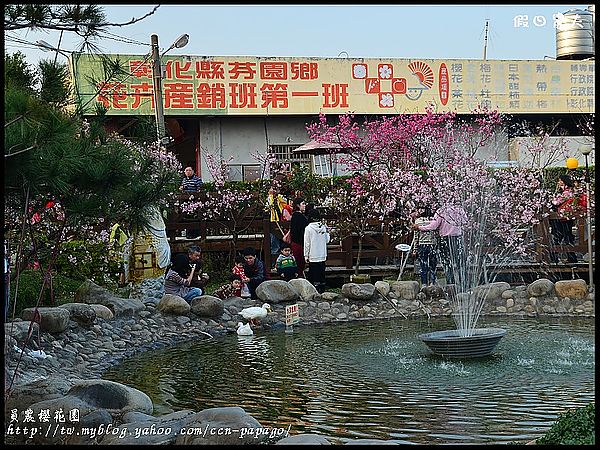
242	95
335	95
140	69
179	70
444	87
113	95
186	85
304	71
211	96
274	95
210	70
179	95
273	70
141	93
247	69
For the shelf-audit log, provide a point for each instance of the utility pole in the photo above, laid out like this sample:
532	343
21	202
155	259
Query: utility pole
485	39
157	85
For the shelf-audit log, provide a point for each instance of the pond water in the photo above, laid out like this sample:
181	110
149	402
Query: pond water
376	379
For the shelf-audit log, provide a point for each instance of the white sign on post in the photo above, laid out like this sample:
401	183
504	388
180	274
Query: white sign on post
292	315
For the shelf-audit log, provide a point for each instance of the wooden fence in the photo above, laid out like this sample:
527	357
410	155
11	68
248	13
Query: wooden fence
253	228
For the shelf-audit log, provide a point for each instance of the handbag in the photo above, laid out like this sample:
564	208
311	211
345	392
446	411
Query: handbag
245	291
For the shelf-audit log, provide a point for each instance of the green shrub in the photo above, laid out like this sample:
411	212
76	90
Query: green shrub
575	427
30	284
81	260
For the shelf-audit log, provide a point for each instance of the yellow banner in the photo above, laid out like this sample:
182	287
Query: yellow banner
276	86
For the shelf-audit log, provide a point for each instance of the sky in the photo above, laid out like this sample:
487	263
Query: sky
353	31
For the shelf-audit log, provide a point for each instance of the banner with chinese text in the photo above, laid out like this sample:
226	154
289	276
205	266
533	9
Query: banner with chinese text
273	86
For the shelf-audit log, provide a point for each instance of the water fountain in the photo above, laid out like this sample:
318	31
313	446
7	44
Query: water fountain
475	205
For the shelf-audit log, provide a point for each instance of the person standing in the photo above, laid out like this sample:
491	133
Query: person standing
189	185
565	204
425	249
297	226
190	182
277	206
449	221
316	238
286	264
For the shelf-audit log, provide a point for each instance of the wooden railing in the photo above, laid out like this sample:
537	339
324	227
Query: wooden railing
252	228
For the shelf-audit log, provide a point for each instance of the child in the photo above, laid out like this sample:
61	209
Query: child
230	289
238	269
286	264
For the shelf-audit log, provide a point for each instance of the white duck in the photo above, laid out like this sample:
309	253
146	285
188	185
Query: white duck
255	312
244	330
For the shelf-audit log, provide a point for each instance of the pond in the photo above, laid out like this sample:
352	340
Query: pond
377	380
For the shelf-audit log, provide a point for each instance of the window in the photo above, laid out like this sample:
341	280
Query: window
285	154
251	173
239	172
322	166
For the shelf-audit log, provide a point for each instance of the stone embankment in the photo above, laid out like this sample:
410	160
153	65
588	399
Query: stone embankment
70	346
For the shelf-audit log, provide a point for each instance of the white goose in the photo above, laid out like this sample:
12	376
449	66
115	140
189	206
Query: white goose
255	312
244	330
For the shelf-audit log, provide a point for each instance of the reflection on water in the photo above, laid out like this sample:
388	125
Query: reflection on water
377	380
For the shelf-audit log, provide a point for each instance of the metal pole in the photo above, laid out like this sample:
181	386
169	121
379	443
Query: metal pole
157	85
589	223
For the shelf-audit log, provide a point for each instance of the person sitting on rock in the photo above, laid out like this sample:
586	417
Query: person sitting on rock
254	269
230	289
179	278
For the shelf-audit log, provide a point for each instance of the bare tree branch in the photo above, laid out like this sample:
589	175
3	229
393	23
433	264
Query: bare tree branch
133	19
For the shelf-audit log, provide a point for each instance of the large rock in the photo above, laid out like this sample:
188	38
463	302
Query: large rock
574	289
304	439
90	396
20	329
208	306
330	296
433	292
383	287
540	288
81	313
492	291
22	396
89	292
52	320
215	420
173	304
405	290
102	312
149	430
304	288
114	397
355	291
277	291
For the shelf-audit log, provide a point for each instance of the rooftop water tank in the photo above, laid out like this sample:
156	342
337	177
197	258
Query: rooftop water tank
575	35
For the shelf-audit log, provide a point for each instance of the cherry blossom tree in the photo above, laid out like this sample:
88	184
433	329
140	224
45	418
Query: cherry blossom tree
410	161
234	206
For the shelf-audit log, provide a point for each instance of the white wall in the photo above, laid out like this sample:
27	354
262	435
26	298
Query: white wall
555	151
240	136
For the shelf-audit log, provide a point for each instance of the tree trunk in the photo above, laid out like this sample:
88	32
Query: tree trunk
360	238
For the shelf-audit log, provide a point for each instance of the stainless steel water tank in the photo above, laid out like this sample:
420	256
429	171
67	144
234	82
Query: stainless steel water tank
575	35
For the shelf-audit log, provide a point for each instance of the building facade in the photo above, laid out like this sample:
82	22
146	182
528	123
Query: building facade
233	107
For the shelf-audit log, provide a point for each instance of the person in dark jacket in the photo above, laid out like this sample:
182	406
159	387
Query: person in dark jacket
297	226
254	269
